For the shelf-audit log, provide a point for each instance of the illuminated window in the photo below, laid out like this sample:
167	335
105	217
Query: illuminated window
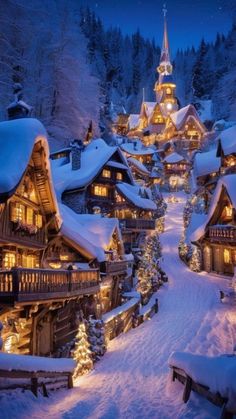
106	173
29	261
17	212
29	216
9	260
39	220
168	91
228	211
56	265
119	176
227	256
119	198
100	190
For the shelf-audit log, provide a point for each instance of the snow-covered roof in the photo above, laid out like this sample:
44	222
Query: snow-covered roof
133	121
174	158
229	183
178	118
20	103
227	139
93	158
90	233
133	194
17	140
138	165
137	148
206	163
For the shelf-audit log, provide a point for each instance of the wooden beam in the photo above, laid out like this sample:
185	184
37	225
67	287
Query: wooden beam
187	389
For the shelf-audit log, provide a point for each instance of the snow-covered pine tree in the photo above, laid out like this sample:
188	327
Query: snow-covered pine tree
82	353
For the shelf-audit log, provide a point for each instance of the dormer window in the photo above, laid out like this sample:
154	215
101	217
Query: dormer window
106	173
228	211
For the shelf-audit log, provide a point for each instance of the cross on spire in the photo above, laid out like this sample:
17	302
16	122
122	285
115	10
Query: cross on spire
164	10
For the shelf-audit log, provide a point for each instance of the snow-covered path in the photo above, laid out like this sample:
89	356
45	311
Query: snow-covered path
132	380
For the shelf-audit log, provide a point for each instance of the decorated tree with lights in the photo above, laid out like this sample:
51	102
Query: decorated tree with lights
183	247
148	269
82	354
195	261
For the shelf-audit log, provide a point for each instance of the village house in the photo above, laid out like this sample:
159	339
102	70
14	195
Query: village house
226	150
216	236
38	305
176	171
98	180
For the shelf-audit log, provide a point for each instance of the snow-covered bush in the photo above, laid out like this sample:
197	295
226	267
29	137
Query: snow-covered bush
96	338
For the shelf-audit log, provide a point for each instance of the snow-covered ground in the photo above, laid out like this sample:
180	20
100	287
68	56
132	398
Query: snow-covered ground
132	380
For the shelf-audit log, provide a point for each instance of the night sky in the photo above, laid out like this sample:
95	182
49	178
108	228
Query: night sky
188	20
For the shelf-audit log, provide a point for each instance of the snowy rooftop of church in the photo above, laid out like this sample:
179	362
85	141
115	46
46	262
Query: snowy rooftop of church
206	163
149	108
135	194
133	120
137	148
228	182
93	158
89	231
227	140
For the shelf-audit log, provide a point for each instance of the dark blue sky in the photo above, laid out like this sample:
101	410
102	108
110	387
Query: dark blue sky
188	20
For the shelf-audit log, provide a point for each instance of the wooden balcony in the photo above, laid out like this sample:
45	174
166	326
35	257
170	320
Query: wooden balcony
32	285
222	233
115	267
136	224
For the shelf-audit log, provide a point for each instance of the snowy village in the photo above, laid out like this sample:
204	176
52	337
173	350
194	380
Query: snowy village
117	209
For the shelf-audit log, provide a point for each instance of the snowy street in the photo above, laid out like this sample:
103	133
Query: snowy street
132	380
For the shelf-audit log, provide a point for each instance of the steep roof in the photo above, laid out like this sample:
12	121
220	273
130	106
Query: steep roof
133	121
227	141
88	233
228	182
133	194
206	163
174	158
93	158
18	139
178	118
149	108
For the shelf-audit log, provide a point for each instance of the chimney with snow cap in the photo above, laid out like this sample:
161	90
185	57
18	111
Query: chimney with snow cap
76	149
18	108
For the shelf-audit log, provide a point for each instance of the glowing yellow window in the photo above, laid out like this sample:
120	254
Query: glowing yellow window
227	256
30	216
39	220
106	173
119	176
168	91
17	212
228	211
100	190
9	260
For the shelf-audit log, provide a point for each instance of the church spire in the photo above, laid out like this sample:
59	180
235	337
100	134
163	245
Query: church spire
165	67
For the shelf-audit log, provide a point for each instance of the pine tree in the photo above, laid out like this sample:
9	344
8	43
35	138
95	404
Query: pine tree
195	261
82	354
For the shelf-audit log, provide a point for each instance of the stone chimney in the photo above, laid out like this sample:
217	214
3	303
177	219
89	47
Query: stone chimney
76	149
18	108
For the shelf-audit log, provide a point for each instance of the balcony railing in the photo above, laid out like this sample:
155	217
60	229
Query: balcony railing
115	267
226	233
40	284
137	224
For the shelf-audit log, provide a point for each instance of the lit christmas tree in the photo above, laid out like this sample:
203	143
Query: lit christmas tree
82	354
195	261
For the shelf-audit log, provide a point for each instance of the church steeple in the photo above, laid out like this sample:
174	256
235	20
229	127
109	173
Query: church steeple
165	67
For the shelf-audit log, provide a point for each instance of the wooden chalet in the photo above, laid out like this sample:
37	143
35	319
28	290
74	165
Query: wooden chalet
93	186
226	150
37	305
121	124
176	170
217	235
186	128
